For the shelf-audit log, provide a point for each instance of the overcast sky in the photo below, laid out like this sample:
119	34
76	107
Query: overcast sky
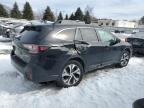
115	9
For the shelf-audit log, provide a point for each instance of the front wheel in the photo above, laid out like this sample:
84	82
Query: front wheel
71	74
124	60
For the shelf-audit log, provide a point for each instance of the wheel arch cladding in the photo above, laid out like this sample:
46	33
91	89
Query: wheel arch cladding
80	61
127	49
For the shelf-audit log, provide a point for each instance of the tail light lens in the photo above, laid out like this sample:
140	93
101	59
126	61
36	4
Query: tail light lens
126	40
34	49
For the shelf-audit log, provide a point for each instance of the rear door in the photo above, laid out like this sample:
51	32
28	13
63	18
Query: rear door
89	47
111	47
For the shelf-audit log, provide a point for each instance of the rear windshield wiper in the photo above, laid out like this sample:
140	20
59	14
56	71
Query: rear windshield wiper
18	37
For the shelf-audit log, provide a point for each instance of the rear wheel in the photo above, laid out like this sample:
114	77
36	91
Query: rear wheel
71	74
124	59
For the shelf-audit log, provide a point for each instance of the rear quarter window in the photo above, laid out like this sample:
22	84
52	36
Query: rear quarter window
65	34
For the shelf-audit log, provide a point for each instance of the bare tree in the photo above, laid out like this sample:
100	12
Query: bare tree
90	10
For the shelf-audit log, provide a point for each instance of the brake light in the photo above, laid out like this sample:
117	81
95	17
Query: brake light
35	48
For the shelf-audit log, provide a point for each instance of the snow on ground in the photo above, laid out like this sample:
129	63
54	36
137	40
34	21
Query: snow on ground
3	39
5	47
106	88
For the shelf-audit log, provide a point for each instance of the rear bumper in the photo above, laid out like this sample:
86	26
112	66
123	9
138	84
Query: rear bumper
32	72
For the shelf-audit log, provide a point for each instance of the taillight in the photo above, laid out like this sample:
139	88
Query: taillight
35	48
126	40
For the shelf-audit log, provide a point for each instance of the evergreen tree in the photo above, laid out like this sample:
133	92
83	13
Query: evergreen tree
72	17
79	14
87	18
48	14
3	12
142	20
27	12
15	13
66	17
60	16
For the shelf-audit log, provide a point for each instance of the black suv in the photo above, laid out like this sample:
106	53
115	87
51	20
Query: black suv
63	53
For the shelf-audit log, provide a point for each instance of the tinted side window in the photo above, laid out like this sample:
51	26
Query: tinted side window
105	36
88	34
67	34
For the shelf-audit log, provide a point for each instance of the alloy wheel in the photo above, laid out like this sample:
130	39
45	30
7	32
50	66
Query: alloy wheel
71	74
125	59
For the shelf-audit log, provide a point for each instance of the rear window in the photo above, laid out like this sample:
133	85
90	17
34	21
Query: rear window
33	34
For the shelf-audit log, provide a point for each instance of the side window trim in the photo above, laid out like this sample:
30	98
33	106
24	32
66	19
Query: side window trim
76	34
98	35
98	38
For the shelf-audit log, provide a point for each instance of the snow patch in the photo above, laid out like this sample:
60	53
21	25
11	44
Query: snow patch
105	88
5	48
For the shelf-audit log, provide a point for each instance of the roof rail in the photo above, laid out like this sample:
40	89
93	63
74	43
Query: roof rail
70	22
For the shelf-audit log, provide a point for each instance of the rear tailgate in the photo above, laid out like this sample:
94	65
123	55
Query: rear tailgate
21	52
30	35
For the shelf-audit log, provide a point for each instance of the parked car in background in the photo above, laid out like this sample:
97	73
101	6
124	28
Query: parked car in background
63	53
15	31
137	41
10	29
6	30
3	30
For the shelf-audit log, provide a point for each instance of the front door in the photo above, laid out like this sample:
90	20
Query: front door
111	47
88	46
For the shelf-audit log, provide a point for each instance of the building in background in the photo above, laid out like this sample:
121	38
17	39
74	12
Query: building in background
128	24
106	22
116	23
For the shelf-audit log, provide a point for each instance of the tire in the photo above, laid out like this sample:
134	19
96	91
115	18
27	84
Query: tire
138	103
124	60
71	74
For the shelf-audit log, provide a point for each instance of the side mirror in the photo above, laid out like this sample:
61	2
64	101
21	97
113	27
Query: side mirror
113	42
118	40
